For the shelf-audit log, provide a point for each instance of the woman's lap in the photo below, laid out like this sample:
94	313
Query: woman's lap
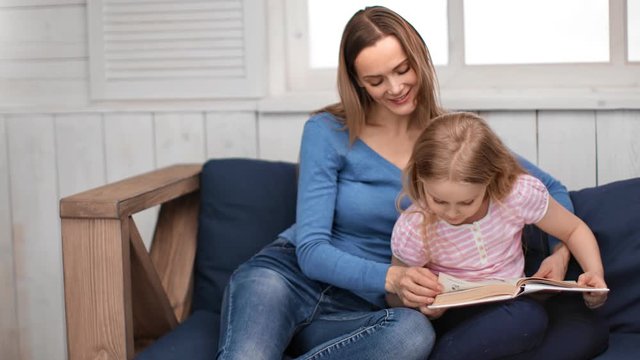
269	301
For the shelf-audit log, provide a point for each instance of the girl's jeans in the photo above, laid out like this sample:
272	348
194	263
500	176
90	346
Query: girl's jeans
271	308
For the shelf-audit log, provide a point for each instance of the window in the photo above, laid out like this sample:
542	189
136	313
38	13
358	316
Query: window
633	30
490	48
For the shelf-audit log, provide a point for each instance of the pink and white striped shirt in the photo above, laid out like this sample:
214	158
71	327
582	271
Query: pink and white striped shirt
489	248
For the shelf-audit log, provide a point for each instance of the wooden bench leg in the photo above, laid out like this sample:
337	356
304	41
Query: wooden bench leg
97	279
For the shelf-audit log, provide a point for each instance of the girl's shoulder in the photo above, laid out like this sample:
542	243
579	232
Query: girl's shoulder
529	197
412	214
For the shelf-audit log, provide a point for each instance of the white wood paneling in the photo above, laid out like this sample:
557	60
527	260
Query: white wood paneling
179	138
80	152
517	129
43	53
58	69
567	146
618	145
279	136
36	237
29	3
129	144
43	32
8	309
231	134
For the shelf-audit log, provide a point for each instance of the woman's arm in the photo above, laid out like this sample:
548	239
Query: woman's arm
321	158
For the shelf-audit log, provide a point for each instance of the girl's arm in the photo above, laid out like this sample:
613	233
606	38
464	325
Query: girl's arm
577	236
555	265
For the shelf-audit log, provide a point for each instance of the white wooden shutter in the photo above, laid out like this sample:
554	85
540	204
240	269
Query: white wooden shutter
159	49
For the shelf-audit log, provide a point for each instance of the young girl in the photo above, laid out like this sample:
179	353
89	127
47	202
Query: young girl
471	200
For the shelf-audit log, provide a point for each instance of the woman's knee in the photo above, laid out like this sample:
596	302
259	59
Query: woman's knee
413	332
260	283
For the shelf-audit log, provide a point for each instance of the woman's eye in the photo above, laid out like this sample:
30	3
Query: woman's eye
376	83
404	69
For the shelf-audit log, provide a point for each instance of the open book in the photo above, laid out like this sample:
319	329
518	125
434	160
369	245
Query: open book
458	292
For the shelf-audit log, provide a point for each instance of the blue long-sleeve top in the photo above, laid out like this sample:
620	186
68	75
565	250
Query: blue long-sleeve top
346	209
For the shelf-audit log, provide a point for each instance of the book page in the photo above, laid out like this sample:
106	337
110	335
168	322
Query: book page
531	287
452	283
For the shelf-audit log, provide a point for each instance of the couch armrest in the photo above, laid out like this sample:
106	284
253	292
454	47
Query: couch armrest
129	196
118	297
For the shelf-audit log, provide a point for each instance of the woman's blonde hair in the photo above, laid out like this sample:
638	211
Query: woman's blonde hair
460	147
363	30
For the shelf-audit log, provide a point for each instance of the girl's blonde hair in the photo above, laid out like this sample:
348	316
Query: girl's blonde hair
363	30
460	147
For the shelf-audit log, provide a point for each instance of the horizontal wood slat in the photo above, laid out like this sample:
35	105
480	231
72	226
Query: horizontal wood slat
126	197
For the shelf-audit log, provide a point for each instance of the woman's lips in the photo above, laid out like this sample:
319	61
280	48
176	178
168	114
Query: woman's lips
401	100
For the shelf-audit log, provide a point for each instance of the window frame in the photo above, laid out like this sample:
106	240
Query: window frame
615	84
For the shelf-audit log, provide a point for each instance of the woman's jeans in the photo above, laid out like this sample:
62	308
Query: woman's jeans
271	308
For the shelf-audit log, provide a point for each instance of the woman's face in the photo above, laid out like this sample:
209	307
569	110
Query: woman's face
384	71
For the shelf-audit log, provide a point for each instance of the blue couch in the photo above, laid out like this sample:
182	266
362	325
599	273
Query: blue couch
246	203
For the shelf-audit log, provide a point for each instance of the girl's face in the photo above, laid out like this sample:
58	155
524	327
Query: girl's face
456	202
384	71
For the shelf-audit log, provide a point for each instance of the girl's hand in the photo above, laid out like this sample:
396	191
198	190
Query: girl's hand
593	299
554	266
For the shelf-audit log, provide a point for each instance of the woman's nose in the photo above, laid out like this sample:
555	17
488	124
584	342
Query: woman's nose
395	86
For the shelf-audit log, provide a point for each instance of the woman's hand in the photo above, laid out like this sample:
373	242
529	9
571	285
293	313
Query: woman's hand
593	299
554	266
414	286
431	313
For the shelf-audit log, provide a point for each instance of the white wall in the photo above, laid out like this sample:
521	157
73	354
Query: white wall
54	142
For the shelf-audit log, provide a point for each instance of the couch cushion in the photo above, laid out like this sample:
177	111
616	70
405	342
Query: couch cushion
612	212
622	347
196	338
244	205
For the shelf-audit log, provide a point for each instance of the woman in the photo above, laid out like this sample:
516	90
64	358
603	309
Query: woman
321	285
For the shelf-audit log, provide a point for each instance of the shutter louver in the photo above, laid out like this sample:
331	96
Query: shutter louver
144	49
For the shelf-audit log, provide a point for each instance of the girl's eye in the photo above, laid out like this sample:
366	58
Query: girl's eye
467	203
439	202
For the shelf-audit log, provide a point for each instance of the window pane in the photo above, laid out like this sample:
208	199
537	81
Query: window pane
327	19
633	29
536	31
